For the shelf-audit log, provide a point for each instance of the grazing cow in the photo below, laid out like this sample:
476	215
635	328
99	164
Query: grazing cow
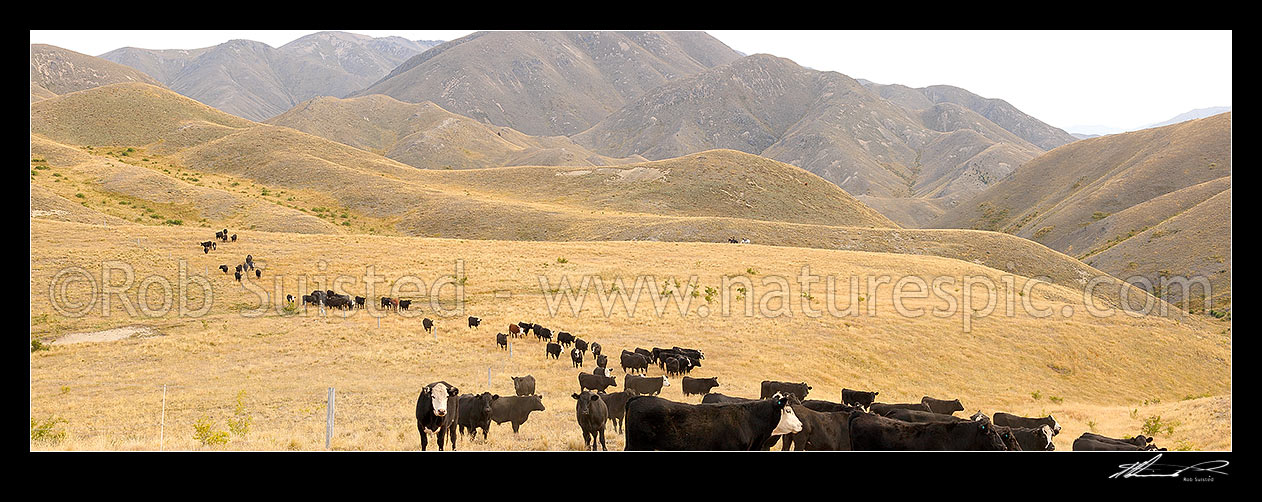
437	409
565	338
602	361
340	302
874	432
205	250
821	431
596	381
501	340
234	237
884	408
474	321
218	235
616	402
524	385
581	345
829	406
942	406
1141	440
308	299
543	333
1033	439
634	362
525	327
654	423
428	324
238	275
592	413
475	413
1010	420
699	385
648	356
918	416
858	397
224	268
258	274
770	387
515	409
595	349
1095	442
386	302
554	350
648	386
359	302
404	304
514	330
576	357
208	244
691	353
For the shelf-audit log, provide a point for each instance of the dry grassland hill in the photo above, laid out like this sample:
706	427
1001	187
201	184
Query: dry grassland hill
1090	196
426	136
1105	374
824	122
711	196
548	83
256	81
59	71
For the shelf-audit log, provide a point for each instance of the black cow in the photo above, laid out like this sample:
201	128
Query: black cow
595	349
821	431
648	356
258	274
524	385
515	409
437	409
874	432
592	413
770	387
565	339
475	412
616	402
699	385
1033	439
340	302
672	366
716	398
289	298
858	397
829	406
359	302
648	386
660	353
634	362
654	423
308	299
883	408
543	333
1142	441
428	324
501	340
602	361
694	354
919	416
554	350
224	268
387	302
1010	420
234	237
404	304
942	406
525	327
238	276
474	321
580	345
596	381
576	357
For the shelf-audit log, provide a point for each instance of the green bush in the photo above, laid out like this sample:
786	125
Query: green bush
37	345
239	422
46	431
203	431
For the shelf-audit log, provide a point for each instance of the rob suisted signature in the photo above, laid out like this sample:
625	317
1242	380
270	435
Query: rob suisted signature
1151	469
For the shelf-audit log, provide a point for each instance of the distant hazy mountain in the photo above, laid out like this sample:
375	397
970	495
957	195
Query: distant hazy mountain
58	71
826	123
1091	131
548	83
256	81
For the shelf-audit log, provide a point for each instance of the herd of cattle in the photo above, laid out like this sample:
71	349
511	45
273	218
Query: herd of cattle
781	414
649	422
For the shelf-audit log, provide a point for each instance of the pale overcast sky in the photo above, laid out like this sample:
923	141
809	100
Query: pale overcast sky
1120	79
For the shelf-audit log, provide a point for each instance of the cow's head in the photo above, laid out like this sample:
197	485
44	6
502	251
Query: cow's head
665	381
1055	425
536	403
585	402
987	437
1009	440
440	393
486	399
789	423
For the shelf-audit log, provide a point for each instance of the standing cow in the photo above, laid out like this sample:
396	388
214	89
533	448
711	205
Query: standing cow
592	414
475	412
437	409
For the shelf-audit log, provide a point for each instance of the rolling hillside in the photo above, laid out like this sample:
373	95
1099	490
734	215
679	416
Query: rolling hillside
1087	197
548	83
256	81
426	136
